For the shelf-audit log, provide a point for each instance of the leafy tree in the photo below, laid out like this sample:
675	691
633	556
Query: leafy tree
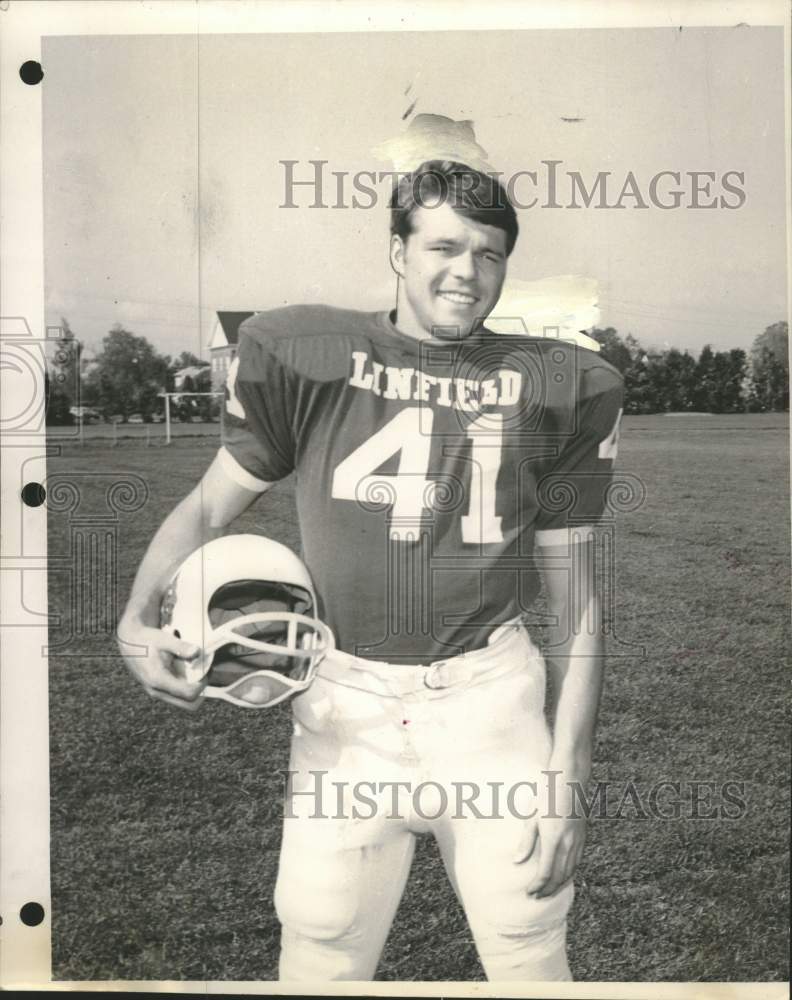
769	369
705	380
635	377
656	389
613	348
62	377
637	390
186	360
727	383
129	374
675	381
57	402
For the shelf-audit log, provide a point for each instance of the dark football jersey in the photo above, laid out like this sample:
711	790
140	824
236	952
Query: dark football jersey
426	471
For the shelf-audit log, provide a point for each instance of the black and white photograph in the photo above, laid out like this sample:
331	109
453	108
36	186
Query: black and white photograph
396	521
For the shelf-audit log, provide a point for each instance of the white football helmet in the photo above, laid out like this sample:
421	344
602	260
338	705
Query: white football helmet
248	603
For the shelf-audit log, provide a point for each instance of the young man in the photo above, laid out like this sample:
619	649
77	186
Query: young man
431	458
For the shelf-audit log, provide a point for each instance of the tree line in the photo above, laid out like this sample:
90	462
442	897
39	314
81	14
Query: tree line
129	374
674	381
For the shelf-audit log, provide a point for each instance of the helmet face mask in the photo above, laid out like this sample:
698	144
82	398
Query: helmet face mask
249	604
266	608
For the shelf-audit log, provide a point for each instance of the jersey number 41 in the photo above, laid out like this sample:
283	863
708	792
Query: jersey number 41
409	492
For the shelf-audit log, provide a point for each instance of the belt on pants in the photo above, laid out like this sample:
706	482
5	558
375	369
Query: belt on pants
396	679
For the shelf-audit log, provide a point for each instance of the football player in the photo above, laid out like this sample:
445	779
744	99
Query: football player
435	462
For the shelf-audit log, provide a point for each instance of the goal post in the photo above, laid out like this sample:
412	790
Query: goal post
178	396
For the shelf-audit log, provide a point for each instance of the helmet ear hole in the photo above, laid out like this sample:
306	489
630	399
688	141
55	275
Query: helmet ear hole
177	633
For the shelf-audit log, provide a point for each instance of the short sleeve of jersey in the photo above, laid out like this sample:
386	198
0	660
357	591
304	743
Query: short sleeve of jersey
259	405
575	490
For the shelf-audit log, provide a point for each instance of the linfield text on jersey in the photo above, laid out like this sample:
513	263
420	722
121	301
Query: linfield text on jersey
467	394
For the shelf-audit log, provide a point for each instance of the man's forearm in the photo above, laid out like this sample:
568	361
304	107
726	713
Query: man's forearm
575	658
576	670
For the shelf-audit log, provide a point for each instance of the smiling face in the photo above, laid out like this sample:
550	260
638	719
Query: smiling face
451	272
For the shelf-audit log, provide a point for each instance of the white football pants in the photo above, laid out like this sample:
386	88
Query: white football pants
379	756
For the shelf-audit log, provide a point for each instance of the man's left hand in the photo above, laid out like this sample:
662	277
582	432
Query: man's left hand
556	842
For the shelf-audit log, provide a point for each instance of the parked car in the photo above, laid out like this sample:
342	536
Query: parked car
157	418
117	418
135	418
85	414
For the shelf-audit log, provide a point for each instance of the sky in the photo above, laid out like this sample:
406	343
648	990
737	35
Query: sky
164	184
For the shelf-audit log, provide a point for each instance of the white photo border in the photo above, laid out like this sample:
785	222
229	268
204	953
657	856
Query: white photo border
25	952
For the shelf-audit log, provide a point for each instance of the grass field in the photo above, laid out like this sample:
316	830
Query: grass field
129	434
166	825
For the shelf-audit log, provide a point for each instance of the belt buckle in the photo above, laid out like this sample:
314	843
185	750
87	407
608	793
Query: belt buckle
443	674
436	677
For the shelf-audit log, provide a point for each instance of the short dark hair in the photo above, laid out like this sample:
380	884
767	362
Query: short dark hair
471	193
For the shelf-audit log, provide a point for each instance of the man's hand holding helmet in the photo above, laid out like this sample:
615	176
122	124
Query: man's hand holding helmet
160	664
237	622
